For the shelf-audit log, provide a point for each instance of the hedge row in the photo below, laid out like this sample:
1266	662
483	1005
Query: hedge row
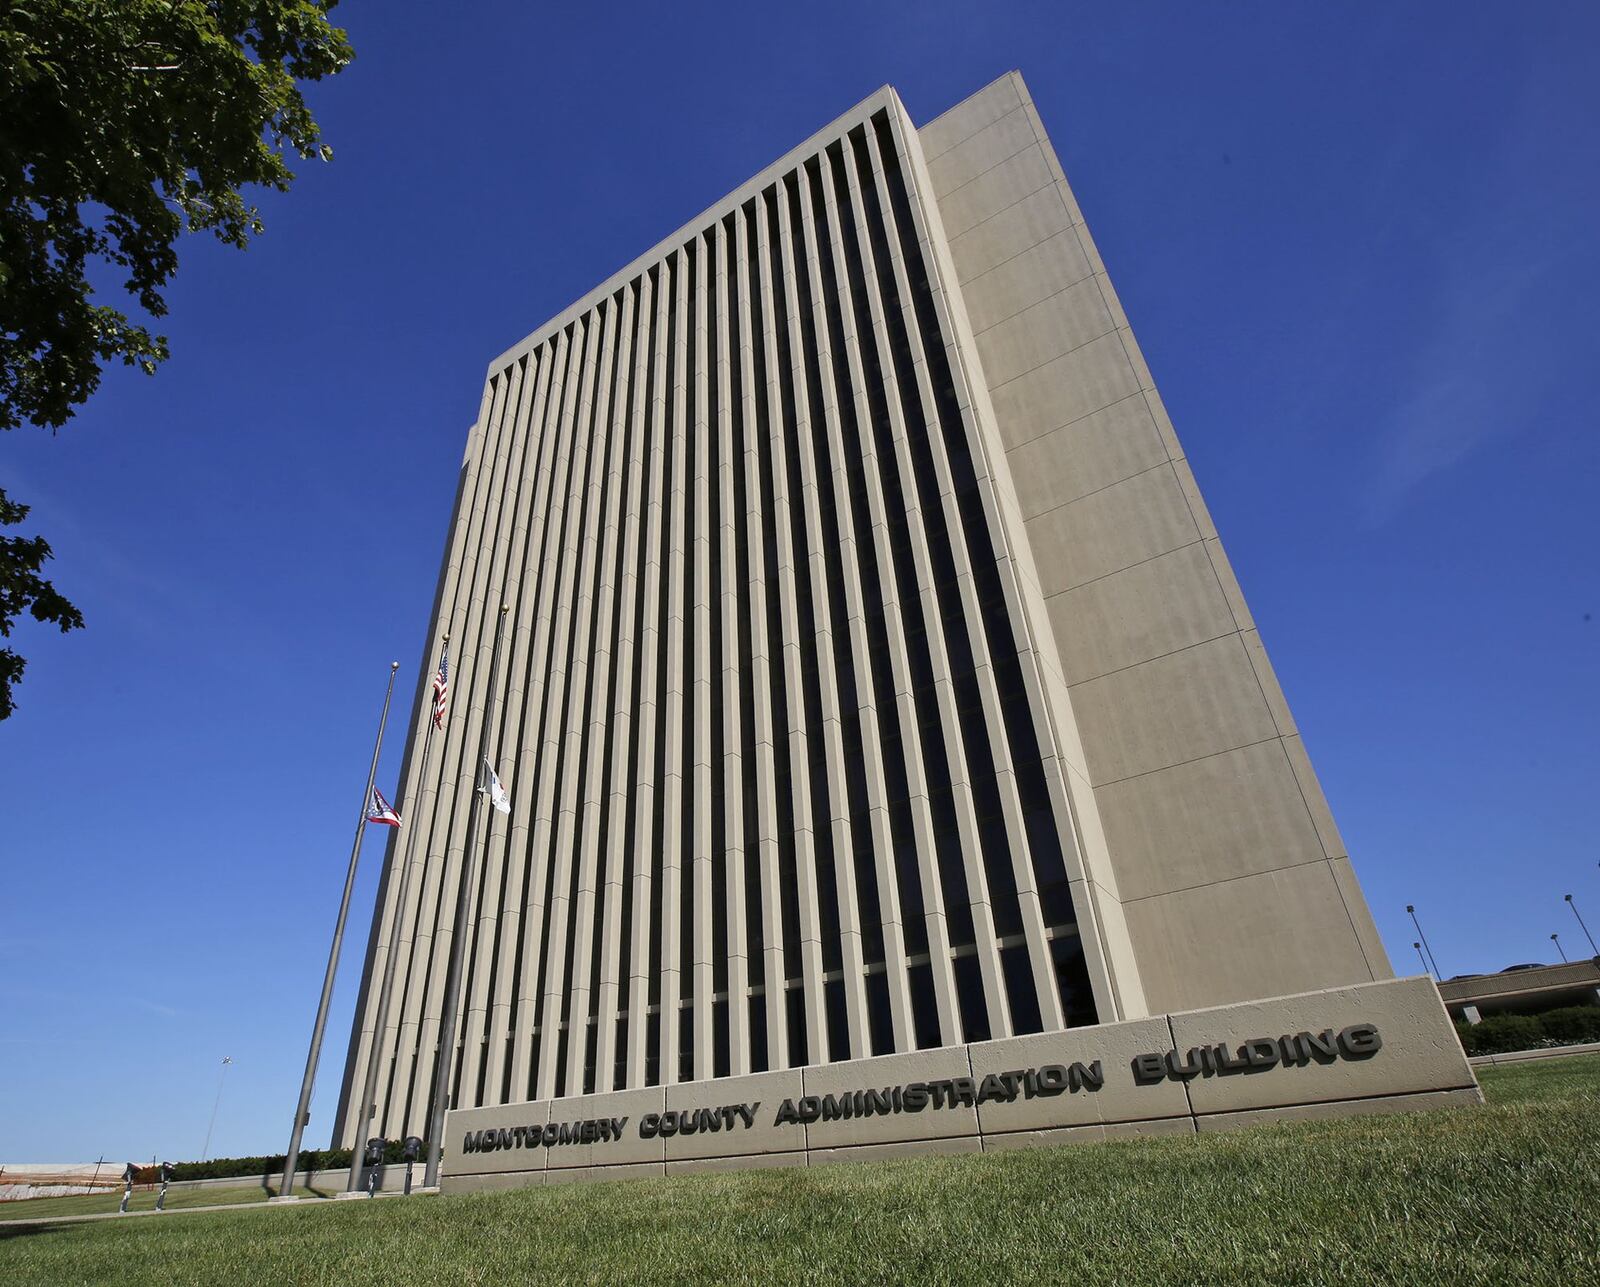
1500	1033
220	1168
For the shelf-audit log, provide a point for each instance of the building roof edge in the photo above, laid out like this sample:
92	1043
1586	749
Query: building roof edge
883	96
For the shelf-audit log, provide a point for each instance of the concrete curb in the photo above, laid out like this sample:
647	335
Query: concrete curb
1524	1056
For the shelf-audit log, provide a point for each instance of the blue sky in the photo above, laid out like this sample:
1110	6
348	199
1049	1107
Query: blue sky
1358	248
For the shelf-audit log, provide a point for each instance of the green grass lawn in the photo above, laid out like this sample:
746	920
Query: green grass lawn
1505	1194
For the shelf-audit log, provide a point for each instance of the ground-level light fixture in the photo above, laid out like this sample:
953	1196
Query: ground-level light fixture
410	1151
375	1148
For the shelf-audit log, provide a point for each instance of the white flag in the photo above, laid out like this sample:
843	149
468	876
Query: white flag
497	793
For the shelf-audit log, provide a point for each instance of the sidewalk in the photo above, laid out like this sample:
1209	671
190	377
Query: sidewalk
178	1211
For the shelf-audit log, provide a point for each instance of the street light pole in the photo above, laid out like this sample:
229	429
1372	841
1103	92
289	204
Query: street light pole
216	1103
1556	939
1582	926
1413	911
1422	958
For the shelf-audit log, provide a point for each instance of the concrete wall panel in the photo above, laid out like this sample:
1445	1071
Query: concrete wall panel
996	99
1025	279
1149	610
1126	523
1291	925
1107	447
1057	324
1003	186
982	152
1217	817
1197	702
1008	232
1076	384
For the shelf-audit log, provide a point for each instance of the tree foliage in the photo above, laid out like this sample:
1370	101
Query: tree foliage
124	124
23	589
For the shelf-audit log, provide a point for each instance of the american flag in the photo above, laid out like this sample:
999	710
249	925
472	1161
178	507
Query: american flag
441	687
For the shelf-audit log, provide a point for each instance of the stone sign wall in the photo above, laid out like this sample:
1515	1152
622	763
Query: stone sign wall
1376	1047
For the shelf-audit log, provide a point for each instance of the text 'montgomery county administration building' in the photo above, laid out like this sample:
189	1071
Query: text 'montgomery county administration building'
874	679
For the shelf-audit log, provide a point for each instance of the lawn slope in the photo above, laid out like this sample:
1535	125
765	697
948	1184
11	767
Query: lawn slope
1505	1194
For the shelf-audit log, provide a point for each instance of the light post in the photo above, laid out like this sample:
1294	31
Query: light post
1556	939
1412	911
1582	926
215	1104
1422	958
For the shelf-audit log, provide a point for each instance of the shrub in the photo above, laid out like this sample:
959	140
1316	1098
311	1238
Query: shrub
224	1168
1501	1033
1573	1024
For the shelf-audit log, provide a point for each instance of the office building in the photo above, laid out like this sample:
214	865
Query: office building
874	678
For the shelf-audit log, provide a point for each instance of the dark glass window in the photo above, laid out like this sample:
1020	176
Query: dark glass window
924	1006
838	1022
796	1011
880	1019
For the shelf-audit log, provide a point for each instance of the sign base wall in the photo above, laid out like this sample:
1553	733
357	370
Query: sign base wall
1375	1047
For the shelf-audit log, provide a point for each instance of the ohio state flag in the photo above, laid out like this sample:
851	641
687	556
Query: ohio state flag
380	810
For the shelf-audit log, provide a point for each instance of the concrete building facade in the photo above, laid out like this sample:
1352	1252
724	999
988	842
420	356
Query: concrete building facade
875	680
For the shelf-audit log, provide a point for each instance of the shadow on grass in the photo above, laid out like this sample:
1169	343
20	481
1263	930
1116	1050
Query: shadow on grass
10	1231
304	1190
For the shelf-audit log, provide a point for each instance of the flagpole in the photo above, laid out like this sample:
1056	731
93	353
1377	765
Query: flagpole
302	1111
367	1105
452	984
